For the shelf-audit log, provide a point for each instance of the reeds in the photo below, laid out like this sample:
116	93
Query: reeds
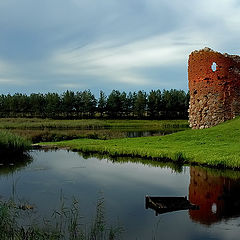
11	144
66	223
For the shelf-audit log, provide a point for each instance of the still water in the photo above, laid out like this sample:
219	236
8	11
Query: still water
124	184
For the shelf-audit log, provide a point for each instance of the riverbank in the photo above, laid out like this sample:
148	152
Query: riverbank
12	145
218	146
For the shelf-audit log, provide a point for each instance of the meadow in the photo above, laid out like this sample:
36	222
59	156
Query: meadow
214	147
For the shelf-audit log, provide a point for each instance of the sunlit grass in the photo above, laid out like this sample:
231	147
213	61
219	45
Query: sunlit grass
218	146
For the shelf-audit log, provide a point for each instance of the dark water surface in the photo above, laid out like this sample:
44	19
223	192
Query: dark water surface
124	185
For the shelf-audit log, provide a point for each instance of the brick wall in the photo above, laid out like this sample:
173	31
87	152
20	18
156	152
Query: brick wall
214	85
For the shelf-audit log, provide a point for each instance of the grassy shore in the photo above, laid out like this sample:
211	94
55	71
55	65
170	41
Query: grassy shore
11	144
218	146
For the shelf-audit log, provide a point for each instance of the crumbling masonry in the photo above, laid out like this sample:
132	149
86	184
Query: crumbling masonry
214	85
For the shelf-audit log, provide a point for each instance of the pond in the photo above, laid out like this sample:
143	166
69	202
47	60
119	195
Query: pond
124	184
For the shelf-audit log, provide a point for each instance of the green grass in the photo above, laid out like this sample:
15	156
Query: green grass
11	144
36	123
218	146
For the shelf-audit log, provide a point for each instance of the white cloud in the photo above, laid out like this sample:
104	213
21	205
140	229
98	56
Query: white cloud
121	63
71	85
92	43
12	81
10	75
5	67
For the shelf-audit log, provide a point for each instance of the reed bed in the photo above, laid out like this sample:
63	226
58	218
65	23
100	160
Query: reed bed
66	223
11	144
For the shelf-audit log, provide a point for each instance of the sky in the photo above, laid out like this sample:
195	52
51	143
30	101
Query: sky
126	45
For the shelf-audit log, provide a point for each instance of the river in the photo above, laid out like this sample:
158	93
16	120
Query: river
124	183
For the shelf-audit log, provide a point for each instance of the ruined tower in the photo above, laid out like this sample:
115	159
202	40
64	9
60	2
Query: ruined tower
214	85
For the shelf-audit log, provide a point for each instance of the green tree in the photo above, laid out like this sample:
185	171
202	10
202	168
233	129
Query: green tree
114	104
129	104
37	104
53	104
89	103
68	103
102	103
154	103
140	104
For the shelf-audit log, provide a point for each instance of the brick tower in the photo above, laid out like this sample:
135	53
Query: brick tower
214	85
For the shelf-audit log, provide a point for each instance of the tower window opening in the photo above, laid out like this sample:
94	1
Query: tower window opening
214	67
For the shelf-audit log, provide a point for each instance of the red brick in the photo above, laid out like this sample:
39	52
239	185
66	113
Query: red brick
214	95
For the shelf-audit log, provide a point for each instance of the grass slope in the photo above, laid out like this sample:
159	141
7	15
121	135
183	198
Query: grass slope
218	146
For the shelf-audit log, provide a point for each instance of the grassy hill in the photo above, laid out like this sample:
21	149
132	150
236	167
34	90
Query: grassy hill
218	146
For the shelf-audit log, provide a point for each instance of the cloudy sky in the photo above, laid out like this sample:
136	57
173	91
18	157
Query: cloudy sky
130	45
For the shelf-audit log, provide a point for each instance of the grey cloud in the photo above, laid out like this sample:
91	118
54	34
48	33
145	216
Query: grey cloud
49	45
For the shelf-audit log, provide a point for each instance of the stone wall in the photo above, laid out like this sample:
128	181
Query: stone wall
214	85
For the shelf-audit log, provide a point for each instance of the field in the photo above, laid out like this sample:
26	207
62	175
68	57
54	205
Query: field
216	147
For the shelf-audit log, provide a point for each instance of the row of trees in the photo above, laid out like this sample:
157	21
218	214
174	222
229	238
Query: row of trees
167	104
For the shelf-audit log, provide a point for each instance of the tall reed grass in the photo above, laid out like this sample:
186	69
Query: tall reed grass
11	144
66	223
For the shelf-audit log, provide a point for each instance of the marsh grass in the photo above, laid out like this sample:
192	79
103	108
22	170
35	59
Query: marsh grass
48	135
49	130
11	144
36	123
66	223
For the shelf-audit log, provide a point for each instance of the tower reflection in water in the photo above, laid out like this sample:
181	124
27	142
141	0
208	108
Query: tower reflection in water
217	196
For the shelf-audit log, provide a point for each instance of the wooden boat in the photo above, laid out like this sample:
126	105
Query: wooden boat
168	204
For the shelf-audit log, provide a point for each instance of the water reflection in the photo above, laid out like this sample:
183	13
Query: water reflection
176	167
217	195
125	182
133	134
48	135
9	165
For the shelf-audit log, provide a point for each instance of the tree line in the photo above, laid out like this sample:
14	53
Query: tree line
166	104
